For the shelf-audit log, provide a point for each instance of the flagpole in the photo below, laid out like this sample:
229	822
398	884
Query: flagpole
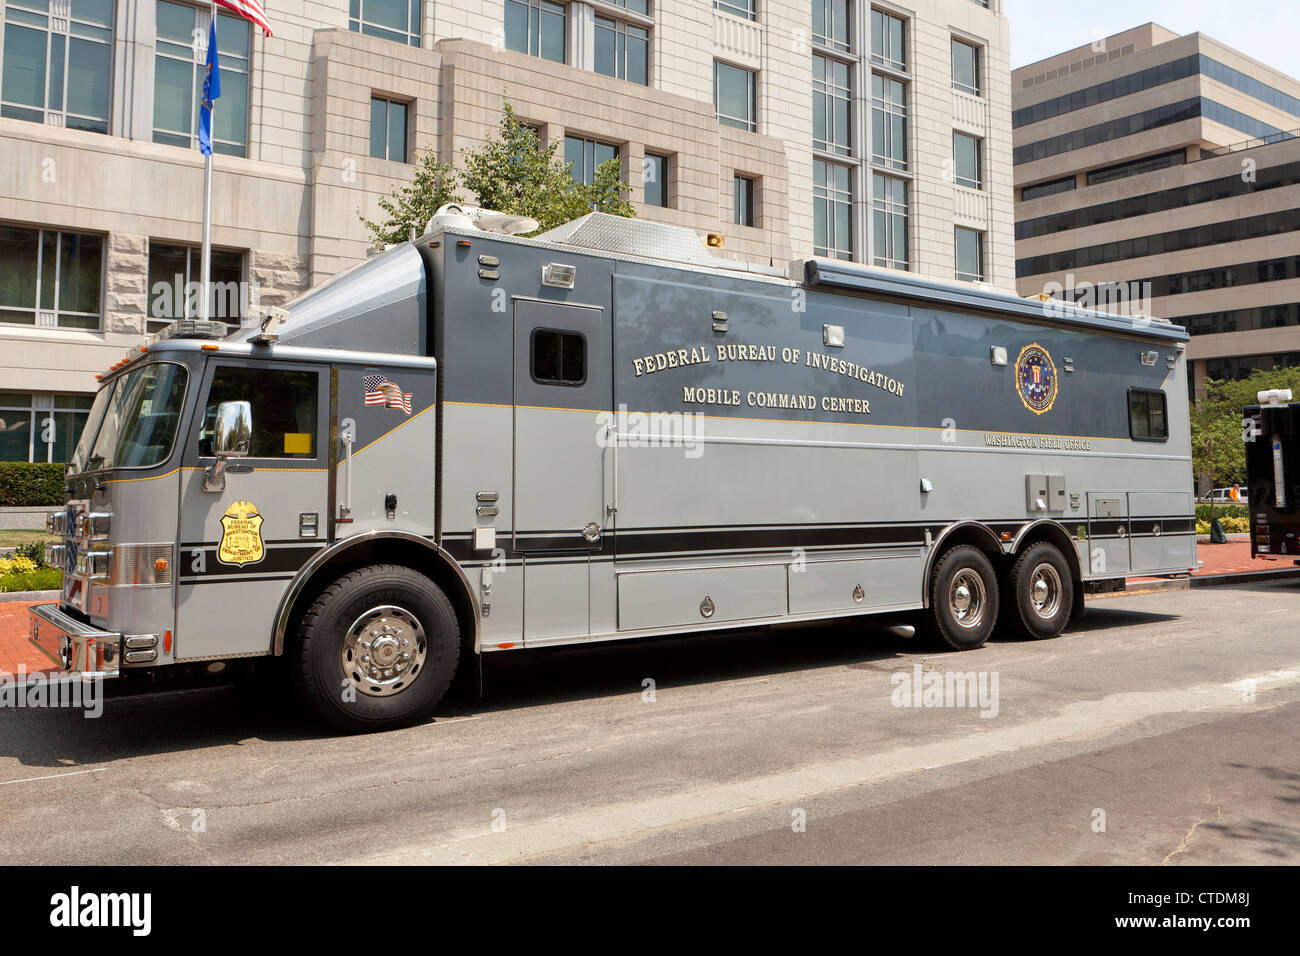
206	255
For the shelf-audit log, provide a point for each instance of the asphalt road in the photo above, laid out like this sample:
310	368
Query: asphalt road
1162	729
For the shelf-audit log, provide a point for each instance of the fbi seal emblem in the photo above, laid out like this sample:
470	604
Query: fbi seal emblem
1036	379
241	535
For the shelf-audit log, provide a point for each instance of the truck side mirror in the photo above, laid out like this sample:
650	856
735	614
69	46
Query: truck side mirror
232	433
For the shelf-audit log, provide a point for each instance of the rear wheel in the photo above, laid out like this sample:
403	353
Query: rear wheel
963	599
1042	591
378	649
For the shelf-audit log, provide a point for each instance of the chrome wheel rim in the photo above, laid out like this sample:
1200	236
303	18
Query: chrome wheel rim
384	651
967	598
1045	591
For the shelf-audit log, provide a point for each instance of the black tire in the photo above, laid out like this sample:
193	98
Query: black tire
1044	613
952	625
348	696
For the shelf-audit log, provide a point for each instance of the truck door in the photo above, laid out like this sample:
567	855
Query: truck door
241	546
563	393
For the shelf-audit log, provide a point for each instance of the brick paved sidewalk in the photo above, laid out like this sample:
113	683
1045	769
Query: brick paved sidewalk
14	648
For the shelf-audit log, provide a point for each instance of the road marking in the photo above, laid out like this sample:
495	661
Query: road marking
1083	719
5	783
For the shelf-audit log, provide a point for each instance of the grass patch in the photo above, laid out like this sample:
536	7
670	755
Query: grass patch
42	579
12	539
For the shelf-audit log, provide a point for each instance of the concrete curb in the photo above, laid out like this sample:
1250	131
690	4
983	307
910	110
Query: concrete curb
16	596
1244	577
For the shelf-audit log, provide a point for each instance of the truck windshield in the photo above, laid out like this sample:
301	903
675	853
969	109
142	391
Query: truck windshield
140	418
96	417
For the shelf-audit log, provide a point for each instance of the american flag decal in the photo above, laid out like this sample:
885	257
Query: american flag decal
380	391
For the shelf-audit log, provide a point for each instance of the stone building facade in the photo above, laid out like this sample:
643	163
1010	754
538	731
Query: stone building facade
830	131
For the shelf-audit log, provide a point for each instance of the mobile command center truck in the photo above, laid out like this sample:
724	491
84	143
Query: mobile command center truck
476	442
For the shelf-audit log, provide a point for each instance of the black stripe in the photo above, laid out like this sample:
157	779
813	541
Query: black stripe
276	560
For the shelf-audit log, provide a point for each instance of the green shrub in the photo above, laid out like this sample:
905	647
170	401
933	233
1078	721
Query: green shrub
30	484
42	579
1233	524
34	551
1220	511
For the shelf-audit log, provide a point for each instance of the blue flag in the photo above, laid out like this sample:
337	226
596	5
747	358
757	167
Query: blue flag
211	91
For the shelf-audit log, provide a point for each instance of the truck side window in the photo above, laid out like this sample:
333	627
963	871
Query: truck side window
1146	415
559	358
283	404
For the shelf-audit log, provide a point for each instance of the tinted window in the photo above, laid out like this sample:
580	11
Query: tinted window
1146	415
559	358
283	404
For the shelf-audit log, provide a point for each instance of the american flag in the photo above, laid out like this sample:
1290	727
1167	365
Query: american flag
380	391
249	10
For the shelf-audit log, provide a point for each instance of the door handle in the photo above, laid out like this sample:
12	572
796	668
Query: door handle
591	532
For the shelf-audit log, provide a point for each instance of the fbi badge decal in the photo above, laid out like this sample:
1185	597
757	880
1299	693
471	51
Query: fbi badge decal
241	535
1036	378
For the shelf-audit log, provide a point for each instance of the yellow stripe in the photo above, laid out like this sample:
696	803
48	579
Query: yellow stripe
122	481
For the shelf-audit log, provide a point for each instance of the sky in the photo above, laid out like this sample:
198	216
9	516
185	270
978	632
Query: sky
1268	30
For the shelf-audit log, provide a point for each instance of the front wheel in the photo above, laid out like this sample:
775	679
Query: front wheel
378	649
1043	592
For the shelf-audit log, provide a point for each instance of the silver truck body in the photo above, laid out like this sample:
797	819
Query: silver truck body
739	448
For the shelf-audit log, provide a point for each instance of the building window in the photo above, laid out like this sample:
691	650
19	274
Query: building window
41	427
733	96
50	279
397	20
536	27
622	50
743	208
654	177
179	67
585	156
559	358
1043	190
830	24
888	122
1137	167
388	129
832	211
966	159
175	272
832	104
739	8
58	74
965	67
889	221
888	40
970	255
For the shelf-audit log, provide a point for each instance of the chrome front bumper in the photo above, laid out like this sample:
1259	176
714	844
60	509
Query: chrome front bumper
74	646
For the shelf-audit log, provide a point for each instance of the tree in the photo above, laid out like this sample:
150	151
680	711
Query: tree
1218	435
510	172
513	173
413	205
